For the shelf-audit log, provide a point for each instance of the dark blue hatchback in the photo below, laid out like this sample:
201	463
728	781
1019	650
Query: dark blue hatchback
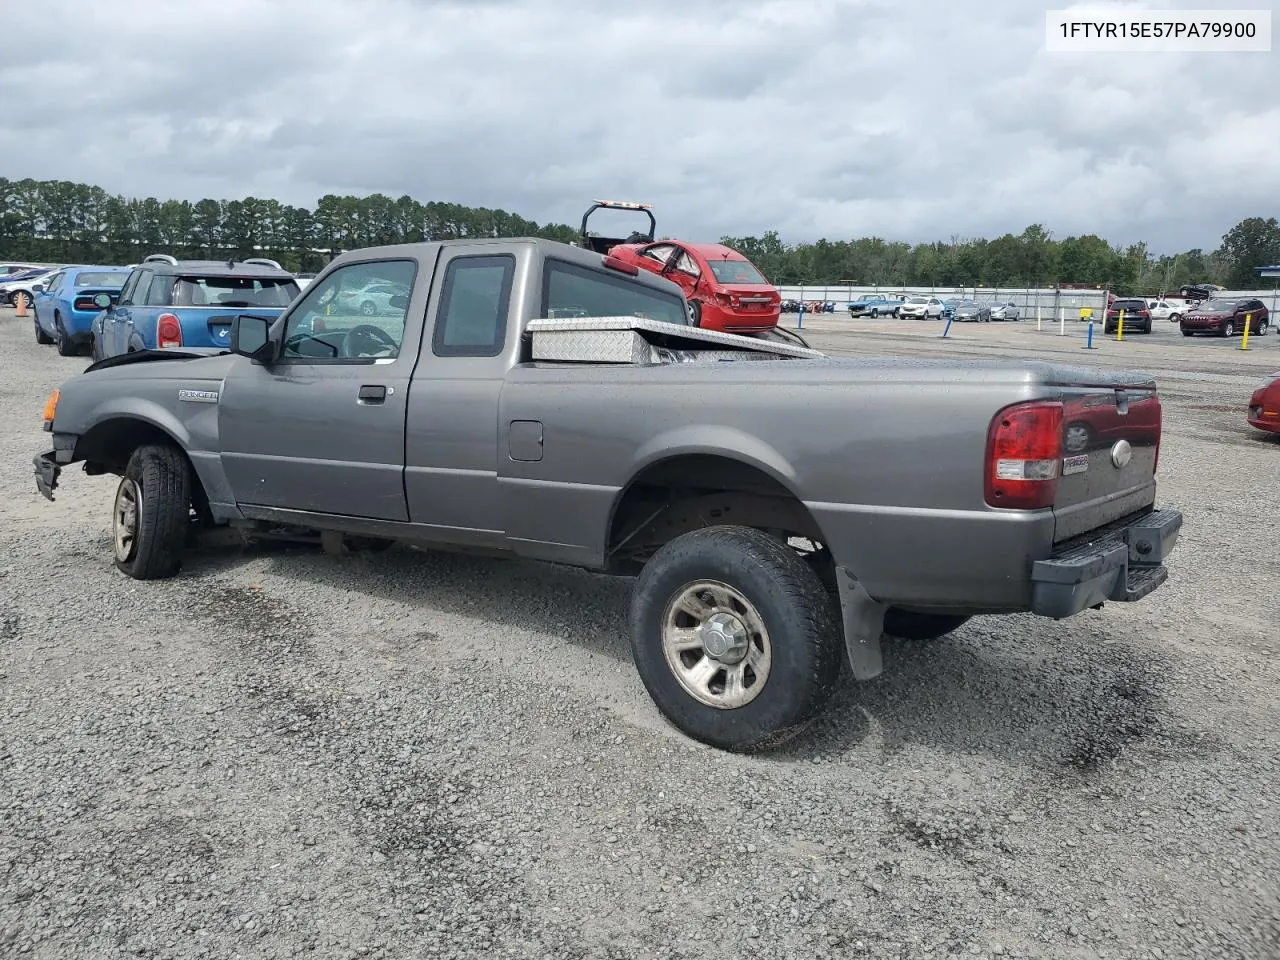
190	303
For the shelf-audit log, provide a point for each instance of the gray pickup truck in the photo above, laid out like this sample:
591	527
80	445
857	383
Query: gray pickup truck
781	510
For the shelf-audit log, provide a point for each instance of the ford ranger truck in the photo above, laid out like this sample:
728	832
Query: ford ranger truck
535	399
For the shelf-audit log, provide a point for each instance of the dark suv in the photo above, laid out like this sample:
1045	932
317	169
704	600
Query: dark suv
1227	317
189	304
1137	315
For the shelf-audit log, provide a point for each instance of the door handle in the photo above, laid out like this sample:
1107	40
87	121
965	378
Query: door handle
372	393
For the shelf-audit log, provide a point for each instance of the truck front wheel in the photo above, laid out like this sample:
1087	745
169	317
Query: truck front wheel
151	513
735	637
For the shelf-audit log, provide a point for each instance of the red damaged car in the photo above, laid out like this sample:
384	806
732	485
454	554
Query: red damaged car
724	289
1264	405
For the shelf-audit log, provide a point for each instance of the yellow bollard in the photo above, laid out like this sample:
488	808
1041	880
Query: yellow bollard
1248	321
1120	326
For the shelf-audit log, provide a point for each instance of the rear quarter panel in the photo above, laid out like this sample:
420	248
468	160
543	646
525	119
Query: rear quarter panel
888	456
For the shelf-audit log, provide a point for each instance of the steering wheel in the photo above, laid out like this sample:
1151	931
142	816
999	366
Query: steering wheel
380	340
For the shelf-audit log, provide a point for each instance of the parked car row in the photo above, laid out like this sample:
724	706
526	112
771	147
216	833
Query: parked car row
810	306
162	302
17	282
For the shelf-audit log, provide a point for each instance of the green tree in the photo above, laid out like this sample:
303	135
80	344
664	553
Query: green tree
1250	244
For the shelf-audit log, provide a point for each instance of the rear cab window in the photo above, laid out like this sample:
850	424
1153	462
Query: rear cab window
570	290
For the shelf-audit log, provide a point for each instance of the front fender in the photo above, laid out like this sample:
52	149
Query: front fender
115	409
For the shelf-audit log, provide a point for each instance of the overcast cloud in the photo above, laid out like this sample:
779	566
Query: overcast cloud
817	118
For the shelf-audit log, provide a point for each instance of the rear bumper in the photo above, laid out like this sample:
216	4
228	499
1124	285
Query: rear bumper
1123	566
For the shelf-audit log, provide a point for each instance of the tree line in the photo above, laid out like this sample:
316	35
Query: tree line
61	221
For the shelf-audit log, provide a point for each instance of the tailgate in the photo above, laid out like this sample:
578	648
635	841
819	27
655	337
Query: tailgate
1110	446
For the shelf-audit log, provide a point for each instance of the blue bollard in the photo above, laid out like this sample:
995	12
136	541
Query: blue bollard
947	327
1089	345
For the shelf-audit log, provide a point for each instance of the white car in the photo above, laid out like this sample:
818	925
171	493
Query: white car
921	307
11	289
1167	309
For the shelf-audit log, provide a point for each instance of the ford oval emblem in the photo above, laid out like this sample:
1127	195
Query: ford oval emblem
1121	454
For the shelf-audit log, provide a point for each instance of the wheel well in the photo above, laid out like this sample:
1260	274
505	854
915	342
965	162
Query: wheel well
691	491
107	447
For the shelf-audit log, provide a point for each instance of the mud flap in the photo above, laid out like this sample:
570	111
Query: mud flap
863	626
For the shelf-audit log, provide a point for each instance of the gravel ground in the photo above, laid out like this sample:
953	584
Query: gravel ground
282	753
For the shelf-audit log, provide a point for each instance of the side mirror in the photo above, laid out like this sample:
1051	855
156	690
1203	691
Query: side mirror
37	288
400	301
251	337
102	301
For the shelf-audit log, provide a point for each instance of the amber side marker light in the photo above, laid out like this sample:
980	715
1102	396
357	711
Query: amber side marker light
50	408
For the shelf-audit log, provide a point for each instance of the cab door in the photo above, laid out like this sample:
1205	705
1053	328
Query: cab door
321	428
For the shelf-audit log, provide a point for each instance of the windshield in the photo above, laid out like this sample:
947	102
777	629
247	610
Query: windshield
234	292
736	271
114	280
1218	306
1129	305
918	300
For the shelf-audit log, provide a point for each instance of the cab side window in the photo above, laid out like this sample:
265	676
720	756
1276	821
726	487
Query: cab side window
356	313
471	320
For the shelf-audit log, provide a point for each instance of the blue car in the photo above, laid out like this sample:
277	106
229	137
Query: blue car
167	303
875	306
64	305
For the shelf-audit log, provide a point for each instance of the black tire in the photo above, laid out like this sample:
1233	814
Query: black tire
1229	329
1147	328
162	479
1175	318
875	314
799	617
695	312
66	346
41	336
1262	329
907	625
368	308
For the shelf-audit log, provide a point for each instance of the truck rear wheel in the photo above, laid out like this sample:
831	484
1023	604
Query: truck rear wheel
151	513
907	625
735	637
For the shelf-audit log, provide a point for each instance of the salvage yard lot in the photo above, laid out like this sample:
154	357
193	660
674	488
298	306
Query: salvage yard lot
283	753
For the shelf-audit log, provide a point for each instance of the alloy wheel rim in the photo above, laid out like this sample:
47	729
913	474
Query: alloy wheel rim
716	644
127	507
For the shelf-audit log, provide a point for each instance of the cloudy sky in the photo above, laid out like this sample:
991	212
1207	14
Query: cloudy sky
915	120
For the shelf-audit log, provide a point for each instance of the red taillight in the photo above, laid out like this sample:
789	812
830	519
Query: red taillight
1024	451
613	263
168	331
85	303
